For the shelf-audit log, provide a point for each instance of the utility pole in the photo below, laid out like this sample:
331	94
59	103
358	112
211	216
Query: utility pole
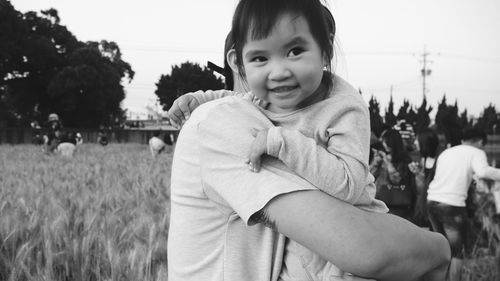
425	71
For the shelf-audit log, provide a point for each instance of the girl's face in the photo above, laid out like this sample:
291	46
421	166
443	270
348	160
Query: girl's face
285	68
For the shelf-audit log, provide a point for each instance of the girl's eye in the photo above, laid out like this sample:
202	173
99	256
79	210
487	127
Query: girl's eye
258	59
296	51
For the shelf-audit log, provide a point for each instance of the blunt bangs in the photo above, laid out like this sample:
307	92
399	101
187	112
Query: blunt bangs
258	17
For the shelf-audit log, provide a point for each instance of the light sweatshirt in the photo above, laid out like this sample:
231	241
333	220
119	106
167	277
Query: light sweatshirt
326	143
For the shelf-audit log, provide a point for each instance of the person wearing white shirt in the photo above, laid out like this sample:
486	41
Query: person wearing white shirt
447	192
156	145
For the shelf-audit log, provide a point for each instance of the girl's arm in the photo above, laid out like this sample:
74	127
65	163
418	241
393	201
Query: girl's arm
182	107
209	95
340	169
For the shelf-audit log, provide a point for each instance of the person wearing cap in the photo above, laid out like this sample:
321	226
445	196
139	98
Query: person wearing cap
51	139
53	122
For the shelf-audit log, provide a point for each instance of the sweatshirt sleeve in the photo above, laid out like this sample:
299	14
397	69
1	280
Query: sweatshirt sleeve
226	133
209	95
340	169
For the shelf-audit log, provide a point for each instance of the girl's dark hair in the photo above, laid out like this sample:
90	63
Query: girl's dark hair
228	72
258	17
429	142
393	140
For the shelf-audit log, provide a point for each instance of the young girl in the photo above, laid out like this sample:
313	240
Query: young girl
282	50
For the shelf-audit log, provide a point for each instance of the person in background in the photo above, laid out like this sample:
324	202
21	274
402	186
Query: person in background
427	144
168	138
393	179
156	145
67	144
407	133
448	191
79	139
51	139
53	122
102	137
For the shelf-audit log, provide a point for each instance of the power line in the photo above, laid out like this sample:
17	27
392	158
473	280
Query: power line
473	58
381	53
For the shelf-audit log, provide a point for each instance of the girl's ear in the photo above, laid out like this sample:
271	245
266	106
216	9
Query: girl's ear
239	82
231	60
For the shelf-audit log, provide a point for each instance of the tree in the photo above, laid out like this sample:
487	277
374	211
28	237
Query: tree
447	122
13	30
464	120
442	111
40	55
390	118
488	121
423	119
411	116
376	121
403	111
188	77
43	65
88	91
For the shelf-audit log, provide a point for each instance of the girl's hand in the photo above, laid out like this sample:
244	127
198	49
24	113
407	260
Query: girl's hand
181	110
257	149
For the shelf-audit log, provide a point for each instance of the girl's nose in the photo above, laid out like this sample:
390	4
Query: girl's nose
279	71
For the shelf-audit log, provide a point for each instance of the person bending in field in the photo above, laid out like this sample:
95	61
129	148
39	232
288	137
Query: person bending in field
156	145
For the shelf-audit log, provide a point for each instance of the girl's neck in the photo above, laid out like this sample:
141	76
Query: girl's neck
320	94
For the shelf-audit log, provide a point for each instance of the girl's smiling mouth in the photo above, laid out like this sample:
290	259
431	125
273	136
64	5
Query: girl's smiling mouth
283	89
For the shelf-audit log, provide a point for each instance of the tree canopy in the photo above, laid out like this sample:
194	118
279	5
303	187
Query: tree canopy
188	77
44	66
447	119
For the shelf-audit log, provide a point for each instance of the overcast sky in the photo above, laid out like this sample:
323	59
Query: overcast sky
379	43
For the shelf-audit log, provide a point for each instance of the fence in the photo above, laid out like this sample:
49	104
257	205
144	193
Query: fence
142	136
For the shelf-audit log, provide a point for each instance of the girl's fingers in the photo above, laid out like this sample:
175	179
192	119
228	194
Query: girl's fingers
184	108
254	162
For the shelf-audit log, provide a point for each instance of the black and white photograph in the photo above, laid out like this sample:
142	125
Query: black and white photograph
249	140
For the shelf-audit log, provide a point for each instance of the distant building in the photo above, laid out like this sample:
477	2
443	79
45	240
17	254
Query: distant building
136	113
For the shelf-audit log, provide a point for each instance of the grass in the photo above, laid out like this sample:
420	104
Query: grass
482	261
102	215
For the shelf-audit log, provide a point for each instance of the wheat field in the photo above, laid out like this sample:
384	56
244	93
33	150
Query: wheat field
104	214
101	215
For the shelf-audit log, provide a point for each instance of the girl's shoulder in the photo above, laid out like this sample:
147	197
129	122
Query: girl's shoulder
341	87
342	94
